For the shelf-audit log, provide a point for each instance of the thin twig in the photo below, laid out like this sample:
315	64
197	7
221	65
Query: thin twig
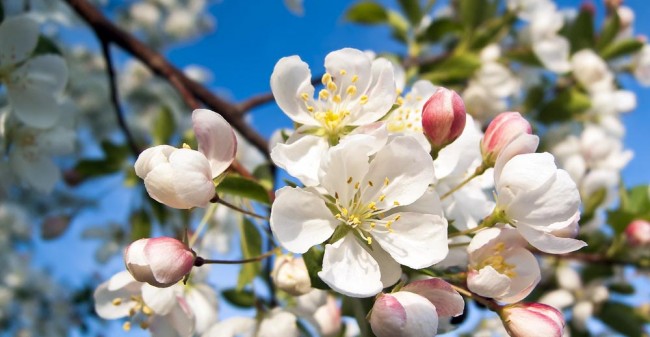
261	99
121	121
107	31
199	261
218	200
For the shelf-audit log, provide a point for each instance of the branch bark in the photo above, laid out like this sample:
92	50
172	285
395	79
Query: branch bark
109	32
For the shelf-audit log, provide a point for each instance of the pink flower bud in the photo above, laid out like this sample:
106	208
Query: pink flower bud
503	129
161	262
443	117
532	320
638	233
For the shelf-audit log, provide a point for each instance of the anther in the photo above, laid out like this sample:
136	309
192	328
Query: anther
117	301
126	326
327	78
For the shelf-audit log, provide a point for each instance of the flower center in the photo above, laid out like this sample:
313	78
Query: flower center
498	262
139	313
406	117
364	217
335	103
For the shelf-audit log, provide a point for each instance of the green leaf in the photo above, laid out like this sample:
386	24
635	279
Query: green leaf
399	25
610	29
453	69
239	298
412	10
140	225
596	271
534	98
367	12
525	56
164	126
251	246
621	48
46	46
245	188
581	31
635	204
565	106
594	200
639	199
314	261
492	30
264	176
439	29
472	12
621	318
622	288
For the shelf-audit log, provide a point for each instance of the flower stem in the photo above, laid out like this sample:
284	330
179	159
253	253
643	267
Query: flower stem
199	261
479	170
218	200
208	214
486	302
489	221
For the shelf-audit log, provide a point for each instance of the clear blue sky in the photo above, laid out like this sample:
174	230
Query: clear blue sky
250	37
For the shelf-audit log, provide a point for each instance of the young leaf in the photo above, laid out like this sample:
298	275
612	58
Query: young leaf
412	10
245	188
239	298
581	32
622	318
567	104
621	48
140	225
251	246
46	46
367	12
439	29
314	261
610	29
455	68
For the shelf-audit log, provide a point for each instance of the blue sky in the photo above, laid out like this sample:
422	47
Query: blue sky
250	37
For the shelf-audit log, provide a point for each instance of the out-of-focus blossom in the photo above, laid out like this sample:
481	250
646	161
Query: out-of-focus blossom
290	274
638	233
276	323
161	262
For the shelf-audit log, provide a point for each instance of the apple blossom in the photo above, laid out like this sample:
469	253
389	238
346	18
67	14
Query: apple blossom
163	311
500	132
320	309
290	274
276	323
638	232
532	320
382	211
415	309
161	262
641	64
407	117
443	117
358	91
500	266
591	71
536	197
33	84
183	178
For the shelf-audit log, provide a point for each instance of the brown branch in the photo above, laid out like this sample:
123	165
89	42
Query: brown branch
261	99
108	32
121	121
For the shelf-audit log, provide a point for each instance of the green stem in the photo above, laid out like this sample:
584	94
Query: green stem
495	217
479	171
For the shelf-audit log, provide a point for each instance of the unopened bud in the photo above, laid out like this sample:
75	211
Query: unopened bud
638	233
161	262
501	131
290	274
532	320
443	118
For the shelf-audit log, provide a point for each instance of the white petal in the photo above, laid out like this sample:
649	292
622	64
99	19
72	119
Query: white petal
488	282
549	243
290	79
456	158
391	271
178	323
216	139
301	158
381	94
448	302
559	298
524	143
38	172
18	38
417	240
151	158
235	326
33	105
48	72
344	63
421	316
203	301
192	181
278	323
300	219
388	316
121	286
524	178
407	168
344	166
161	300
527	275
349	269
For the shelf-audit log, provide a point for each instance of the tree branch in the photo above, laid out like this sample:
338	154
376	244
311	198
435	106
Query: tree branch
107	31
121	121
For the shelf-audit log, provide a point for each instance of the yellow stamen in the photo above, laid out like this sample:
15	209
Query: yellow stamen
343	72
363	99
304	96
327	78
355	78
349	180
351	90
117	301
331	86
323	94
337	99
126	326
370	183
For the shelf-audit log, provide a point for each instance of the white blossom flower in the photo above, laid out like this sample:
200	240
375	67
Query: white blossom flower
383	211
591	71
536	197
407	117
358	91
183	178
163	311
641	64
500	266
276	323
33	84
290	274
320	309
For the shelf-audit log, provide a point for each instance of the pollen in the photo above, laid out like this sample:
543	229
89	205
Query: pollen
117	301
351	90
382	197
147	311
363	99
310	108
126	326
343	72
349	180
337	98
386	181
370	183
304	96
327	78
396	203
331	86
356	185
355	78
323	94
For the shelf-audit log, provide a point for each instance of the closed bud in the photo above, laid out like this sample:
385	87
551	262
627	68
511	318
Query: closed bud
290	274
638	233
532	320
501	131
161	262
443	118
